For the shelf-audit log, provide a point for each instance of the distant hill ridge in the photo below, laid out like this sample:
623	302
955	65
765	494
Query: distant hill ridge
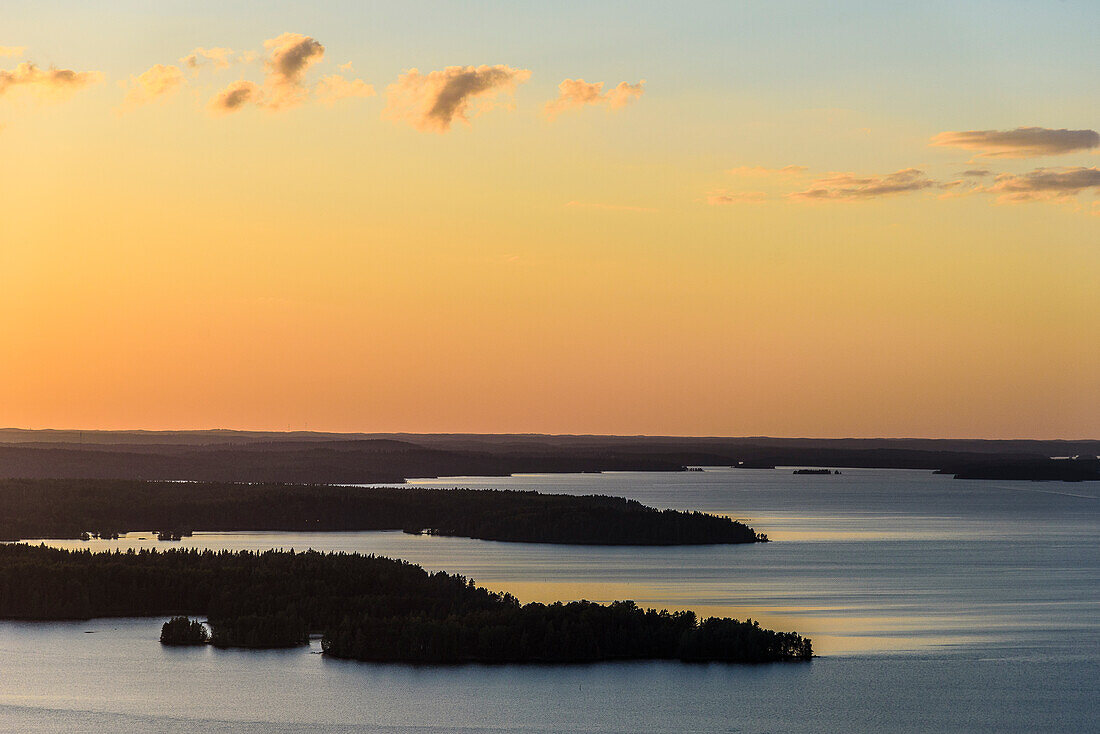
308	457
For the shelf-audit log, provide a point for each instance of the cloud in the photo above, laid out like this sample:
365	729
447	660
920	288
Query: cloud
849	187
1044	184
608	207
577	93
760	171
1062	184
220	58
235	96
1023	142
50	82
9	51
157	82
291	56
335	87
574	93
722	197
625	93
431	102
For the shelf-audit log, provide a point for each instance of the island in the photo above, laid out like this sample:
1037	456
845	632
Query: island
365	608
68	508
183	631
814	471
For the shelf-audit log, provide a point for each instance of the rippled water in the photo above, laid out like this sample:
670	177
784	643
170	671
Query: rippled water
937	604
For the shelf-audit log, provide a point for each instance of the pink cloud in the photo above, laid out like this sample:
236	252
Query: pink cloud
849	187
1023	142
577	93
432	102
49	82
157	82
1044	184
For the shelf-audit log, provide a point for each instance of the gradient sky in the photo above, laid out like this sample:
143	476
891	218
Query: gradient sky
639	263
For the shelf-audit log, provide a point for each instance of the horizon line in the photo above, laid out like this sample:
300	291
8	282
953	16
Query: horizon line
290	432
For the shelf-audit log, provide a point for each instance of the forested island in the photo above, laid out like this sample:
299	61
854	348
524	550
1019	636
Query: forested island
182	631
67	508
366	608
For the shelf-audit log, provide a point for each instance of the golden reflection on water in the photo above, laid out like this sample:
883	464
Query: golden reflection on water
858	528
834	630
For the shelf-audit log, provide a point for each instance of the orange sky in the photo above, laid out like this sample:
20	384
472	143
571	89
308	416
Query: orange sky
443	252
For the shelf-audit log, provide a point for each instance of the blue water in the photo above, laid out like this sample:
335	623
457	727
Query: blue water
936	604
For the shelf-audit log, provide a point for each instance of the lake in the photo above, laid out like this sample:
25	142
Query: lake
935	604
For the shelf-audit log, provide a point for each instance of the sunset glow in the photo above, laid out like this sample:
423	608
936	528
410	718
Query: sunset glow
623	219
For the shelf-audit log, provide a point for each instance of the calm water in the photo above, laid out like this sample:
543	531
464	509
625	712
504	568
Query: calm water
937	604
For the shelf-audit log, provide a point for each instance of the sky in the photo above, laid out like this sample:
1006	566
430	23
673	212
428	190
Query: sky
695	218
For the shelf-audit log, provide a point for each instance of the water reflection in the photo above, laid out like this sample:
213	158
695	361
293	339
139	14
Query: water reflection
983	598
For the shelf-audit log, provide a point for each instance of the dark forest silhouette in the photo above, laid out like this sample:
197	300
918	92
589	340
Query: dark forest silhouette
183	631
326	458
367	608
71	508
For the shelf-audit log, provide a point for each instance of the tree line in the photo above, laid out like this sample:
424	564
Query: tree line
366	607
68	508
580	631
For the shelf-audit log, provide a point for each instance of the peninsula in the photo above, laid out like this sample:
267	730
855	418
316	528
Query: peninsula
366	608
73	508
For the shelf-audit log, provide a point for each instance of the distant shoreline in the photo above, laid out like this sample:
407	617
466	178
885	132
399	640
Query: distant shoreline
313	458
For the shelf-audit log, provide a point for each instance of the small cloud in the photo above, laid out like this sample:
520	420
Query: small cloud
762	171
1023	142
608	207
849	187
432	102
235	96
1044	184
291	55
624	94
219	58
577	93
335	87
722	197
976	173
345	67
157	82
48	82
10	51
